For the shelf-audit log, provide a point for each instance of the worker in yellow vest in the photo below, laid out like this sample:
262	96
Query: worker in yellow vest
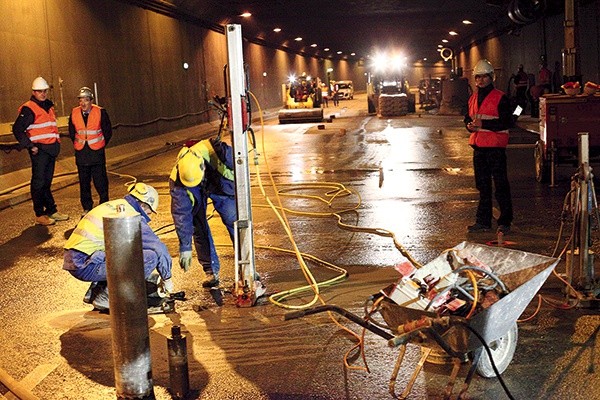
84	252
36	130
90	130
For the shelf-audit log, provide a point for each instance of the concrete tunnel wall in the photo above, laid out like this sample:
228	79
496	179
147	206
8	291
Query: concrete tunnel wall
135	57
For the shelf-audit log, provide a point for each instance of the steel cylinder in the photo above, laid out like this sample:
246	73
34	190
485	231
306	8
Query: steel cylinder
128	305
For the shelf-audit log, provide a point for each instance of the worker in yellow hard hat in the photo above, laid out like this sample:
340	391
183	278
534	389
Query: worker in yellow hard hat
203	171
84	251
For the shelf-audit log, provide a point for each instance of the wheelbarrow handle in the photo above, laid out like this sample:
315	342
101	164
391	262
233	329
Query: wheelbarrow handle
352	317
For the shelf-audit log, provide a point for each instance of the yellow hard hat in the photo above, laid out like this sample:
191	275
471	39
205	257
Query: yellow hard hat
190	165
146	194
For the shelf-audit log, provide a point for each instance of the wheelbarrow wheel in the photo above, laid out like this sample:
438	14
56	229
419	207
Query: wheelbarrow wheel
503	351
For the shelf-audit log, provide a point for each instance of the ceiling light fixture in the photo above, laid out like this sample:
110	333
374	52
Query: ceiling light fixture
444	40
467	22
298	39
326	49
339	52
246	15
277	30
453	33
352	54
313	45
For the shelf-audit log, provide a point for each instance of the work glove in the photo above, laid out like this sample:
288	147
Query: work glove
168	285
185	260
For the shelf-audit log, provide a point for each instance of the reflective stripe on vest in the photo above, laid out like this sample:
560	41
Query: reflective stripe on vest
88	236
92	133
487	110
205	148
44	129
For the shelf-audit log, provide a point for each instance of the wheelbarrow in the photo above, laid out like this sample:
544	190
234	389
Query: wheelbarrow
482	331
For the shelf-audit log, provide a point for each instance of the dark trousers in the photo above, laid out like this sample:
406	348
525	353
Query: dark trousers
98	174
490	165
42	172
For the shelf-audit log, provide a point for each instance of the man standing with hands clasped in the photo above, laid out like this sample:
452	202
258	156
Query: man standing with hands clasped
488	121
35	129
90	130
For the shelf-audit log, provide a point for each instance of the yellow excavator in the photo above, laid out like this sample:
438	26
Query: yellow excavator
302	101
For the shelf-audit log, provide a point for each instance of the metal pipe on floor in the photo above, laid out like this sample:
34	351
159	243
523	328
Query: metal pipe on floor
15	387
128	305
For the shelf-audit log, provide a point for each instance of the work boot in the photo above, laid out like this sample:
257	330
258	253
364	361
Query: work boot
211	280
59	217
44	220
100	302
93	290
477	227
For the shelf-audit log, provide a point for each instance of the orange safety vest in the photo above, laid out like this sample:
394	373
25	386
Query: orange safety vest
92	133
44	129
487	110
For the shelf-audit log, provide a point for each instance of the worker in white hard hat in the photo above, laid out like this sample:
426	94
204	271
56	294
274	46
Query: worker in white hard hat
84	251
202	171
36	130
488	120
90	130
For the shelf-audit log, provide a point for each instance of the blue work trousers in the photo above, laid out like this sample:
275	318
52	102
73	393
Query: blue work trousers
203	240
93	268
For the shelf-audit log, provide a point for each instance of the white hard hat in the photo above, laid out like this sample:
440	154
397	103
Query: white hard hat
483	67
85	92
146	194
39	83
190	165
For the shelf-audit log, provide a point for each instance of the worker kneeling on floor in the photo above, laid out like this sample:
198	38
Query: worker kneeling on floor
85	257
204	170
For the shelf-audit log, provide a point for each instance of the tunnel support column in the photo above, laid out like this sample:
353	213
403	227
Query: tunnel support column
247	287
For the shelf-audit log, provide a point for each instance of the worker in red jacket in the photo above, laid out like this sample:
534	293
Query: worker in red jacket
488	120
90	130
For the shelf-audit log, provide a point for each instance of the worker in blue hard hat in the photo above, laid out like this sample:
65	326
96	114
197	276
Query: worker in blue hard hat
203	171
84	254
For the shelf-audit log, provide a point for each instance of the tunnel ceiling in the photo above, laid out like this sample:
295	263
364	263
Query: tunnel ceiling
413	27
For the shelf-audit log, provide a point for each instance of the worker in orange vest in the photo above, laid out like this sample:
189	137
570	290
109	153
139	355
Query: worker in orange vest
36	130
488	120
90	130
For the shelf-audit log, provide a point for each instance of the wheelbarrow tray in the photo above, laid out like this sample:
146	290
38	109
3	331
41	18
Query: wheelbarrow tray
523	274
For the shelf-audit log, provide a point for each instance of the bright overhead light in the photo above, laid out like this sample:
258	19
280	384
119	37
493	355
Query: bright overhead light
444	40
424	58
467	22
298	39
313	45
440	46
277	30
453	33
246	15
339	52
352	54
326	49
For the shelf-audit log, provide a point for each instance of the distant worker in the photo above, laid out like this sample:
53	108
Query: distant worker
90	130
335	94
202	171
35	129
545	77
488	120
84	251
521	81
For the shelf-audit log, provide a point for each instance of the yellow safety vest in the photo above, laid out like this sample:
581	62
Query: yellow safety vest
88	235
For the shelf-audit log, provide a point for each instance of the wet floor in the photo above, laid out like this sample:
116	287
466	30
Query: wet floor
407	177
